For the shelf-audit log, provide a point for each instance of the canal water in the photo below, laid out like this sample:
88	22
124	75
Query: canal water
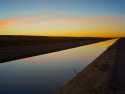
45	74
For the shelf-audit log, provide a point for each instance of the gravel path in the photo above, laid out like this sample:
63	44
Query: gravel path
117	85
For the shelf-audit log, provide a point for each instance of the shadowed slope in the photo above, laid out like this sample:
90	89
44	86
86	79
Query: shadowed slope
96	77
19	52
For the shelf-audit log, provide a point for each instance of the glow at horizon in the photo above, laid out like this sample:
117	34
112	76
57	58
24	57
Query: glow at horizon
96	18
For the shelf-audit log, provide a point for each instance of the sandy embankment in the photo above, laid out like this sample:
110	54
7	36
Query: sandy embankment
13	53
96	77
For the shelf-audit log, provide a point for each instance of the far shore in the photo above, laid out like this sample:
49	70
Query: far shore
9	53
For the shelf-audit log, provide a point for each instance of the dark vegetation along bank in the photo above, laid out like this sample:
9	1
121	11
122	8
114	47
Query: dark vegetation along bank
104	75
18	47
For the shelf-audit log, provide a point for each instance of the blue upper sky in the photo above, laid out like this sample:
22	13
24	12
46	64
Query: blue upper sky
80	6
17	9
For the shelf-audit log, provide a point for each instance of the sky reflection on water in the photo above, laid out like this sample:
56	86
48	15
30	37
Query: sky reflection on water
45	74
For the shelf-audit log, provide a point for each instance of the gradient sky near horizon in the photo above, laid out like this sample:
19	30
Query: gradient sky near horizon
104	18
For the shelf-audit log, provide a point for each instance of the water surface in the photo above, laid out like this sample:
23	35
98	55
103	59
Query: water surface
45	74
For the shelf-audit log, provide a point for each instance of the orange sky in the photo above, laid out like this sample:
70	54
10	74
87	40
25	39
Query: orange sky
62	21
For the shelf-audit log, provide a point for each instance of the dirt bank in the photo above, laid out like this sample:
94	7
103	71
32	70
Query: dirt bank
19	52
96	77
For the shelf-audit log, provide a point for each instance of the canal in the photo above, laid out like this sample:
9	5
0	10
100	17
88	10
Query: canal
45	74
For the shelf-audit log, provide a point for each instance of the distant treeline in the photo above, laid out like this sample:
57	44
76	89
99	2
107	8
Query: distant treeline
15	40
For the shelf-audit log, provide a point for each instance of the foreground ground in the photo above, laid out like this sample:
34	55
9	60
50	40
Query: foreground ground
105	75
117	84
